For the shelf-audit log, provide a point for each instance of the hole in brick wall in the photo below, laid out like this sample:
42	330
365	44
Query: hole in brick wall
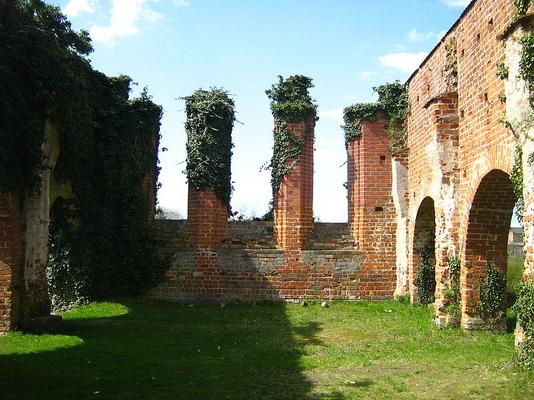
490	22
379	209
418	99
478	37
462	113
382	159
486	97
462	53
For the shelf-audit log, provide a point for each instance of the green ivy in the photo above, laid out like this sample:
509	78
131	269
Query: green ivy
502	71
524	309
522	7
102	232
393	101
526	65
40	56
517	181
425	277
210	120
290	102
452	290
491	294
353	117
100	244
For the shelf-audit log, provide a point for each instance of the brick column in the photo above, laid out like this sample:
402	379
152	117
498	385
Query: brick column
371	209
206	218
293	201
444	114
206	225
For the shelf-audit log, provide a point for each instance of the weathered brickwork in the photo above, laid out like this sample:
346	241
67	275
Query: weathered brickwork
372	215
10	258
293	201
452	182
249	266
461	153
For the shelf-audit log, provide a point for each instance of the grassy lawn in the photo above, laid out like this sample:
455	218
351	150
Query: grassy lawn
359	350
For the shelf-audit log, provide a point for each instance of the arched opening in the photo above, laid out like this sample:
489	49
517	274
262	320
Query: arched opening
485	260
424	255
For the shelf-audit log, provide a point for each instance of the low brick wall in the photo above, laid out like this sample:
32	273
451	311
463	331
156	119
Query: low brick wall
248	266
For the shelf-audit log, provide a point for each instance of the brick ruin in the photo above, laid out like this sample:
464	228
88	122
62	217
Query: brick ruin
453	179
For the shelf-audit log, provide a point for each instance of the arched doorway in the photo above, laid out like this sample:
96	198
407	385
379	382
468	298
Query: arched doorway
485	255
423	254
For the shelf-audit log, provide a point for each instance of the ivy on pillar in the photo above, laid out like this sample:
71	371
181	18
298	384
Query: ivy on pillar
210	120
295	114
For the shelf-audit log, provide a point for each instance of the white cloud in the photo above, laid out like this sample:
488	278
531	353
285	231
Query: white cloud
351	97
406	62
456	3
77	7
335	114
125	15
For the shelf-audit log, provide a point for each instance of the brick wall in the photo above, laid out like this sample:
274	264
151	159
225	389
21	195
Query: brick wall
249	266
372	215
456	139
10	259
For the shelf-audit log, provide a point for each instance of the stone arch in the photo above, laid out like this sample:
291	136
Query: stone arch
486	239
424	234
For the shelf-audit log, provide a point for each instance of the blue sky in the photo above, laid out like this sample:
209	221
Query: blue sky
177	46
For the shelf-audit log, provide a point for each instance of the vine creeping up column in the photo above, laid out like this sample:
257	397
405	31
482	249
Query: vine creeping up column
210	119
294	113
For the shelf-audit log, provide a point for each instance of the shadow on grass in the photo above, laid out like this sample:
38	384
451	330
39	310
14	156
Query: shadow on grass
169	351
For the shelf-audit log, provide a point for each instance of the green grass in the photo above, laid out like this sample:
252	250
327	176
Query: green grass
141	350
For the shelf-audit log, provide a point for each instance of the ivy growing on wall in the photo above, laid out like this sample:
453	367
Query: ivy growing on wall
425	279
290	102
353	117
40	56
210	120
522	7
491	293
517	181
526	65
524	309
393	102
100	244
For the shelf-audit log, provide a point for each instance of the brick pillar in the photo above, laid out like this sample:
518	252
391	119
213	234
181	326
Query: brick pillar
444	114
206	225
400	192
10	260
371	209
293	201
206	218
